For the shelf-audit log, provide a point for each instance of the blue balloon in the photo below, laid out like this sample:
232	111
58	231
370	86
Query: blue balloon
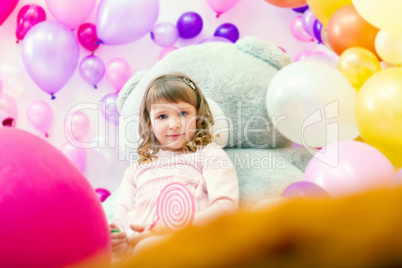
189	25
228	31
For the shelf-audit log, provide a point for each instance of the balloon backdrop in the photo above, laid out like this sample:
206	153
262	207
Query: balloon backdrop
108	108
228	31
165	34
304	189
40	116
76	155
92	70
28	16
87	37
166	51
102	193
358	167
357	64
308	20
118	71
214	39
189	25
71	13
8	110
125	21
346	28
50	54
39	186
388	46
312	104
323	10
13	76
382	14
76	125
317	28
6	7
297	30
379	113
221	6
287	3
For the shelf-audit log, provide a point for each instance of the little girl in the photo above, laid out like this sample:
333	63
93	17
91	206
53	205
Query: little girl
175	146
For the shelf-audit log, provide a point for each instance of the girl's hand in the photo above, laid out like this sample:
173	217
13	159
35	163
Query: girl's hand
119	239
158	230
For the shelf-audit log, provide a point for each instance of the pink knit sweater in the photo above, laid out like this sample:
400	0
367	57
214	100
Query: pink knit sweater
208	173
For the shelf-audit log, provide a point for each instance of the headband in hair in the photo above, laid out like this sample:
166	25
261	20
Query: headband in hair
188	82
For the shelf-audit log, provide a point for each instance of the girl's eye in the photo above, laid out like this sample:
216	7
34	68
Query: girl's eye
162	116
183	113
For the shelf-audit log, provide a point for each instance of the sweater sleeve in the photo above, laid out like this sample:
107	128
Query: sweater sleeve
221	183
125	200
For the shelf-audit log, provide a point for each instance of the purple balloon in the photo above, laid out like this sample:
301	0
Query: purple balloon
108	108
215	39
317	28
189	25
308	20
228	31
50	54
300	9
102	193
28	16
304	189
165	34
92	70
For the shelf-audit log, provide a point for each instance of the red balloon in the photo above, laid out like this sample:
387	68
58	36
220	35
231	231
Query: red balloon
87	36
287	3
28	16
6	7
50	214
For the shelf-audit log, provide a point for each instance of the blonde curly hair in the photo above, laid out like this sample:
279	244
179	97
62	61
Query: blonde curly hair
173	87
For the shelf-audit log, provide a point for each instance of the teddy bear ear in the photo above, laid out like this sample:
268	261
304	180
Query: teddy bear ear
128	88
265	51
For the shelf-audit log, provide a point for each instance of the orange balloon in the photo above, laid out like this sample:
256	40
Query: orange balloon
287	3
346	28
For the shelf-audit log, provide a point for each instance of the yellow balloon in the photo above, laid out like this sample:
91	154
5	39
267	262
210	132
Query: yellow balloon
388	45
384	14
357	64
323	9
379	113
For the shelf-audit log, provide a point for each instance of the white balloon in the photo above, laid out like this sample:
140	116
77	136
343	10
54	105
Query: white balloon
312	104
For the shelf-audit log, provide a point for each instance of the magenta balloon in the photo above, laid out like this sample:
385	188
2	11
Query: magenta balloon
50	54
6	7
8	110
166	51
189	25
28	16
297	30
228	31
87	37
304	189
308	19
76	125
102	193
214	39
108	108
125	21
349	167
118	71
92	70
40	116
76	155
165	34
54	217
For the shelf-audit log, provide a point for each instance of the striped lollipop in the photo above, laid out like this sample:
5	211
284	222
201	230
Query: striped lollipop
175	206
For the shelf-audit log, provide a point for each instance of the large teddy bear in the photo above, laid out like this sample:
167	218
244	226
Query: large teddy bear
234	78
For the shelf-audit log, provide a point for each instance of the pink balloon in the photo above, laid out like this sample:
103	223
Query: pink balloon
6	7
50	54
304	189
71	13
166	51
125	21
77	155
102	193
221	6
40	116
28	16
87	37
297	30
303	54
92	70
76	125
50	211
214	39
349	167
8	110
118	71
108	108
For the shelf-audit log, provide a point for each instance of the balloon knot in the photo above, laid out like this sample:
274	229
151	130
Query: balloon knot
218	15
46	135
18	41
8	122
95	87
53	97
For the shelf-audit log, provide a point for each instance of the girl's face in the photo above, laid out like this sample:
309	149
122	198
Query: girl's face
173	124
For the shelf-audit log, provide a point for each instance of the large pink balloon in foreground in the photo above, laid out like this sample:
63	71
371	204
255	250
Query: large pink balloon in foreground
51	216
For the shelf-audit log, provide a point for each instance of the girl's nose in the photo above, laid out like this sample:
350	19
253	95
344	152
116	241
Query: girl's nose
174	124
